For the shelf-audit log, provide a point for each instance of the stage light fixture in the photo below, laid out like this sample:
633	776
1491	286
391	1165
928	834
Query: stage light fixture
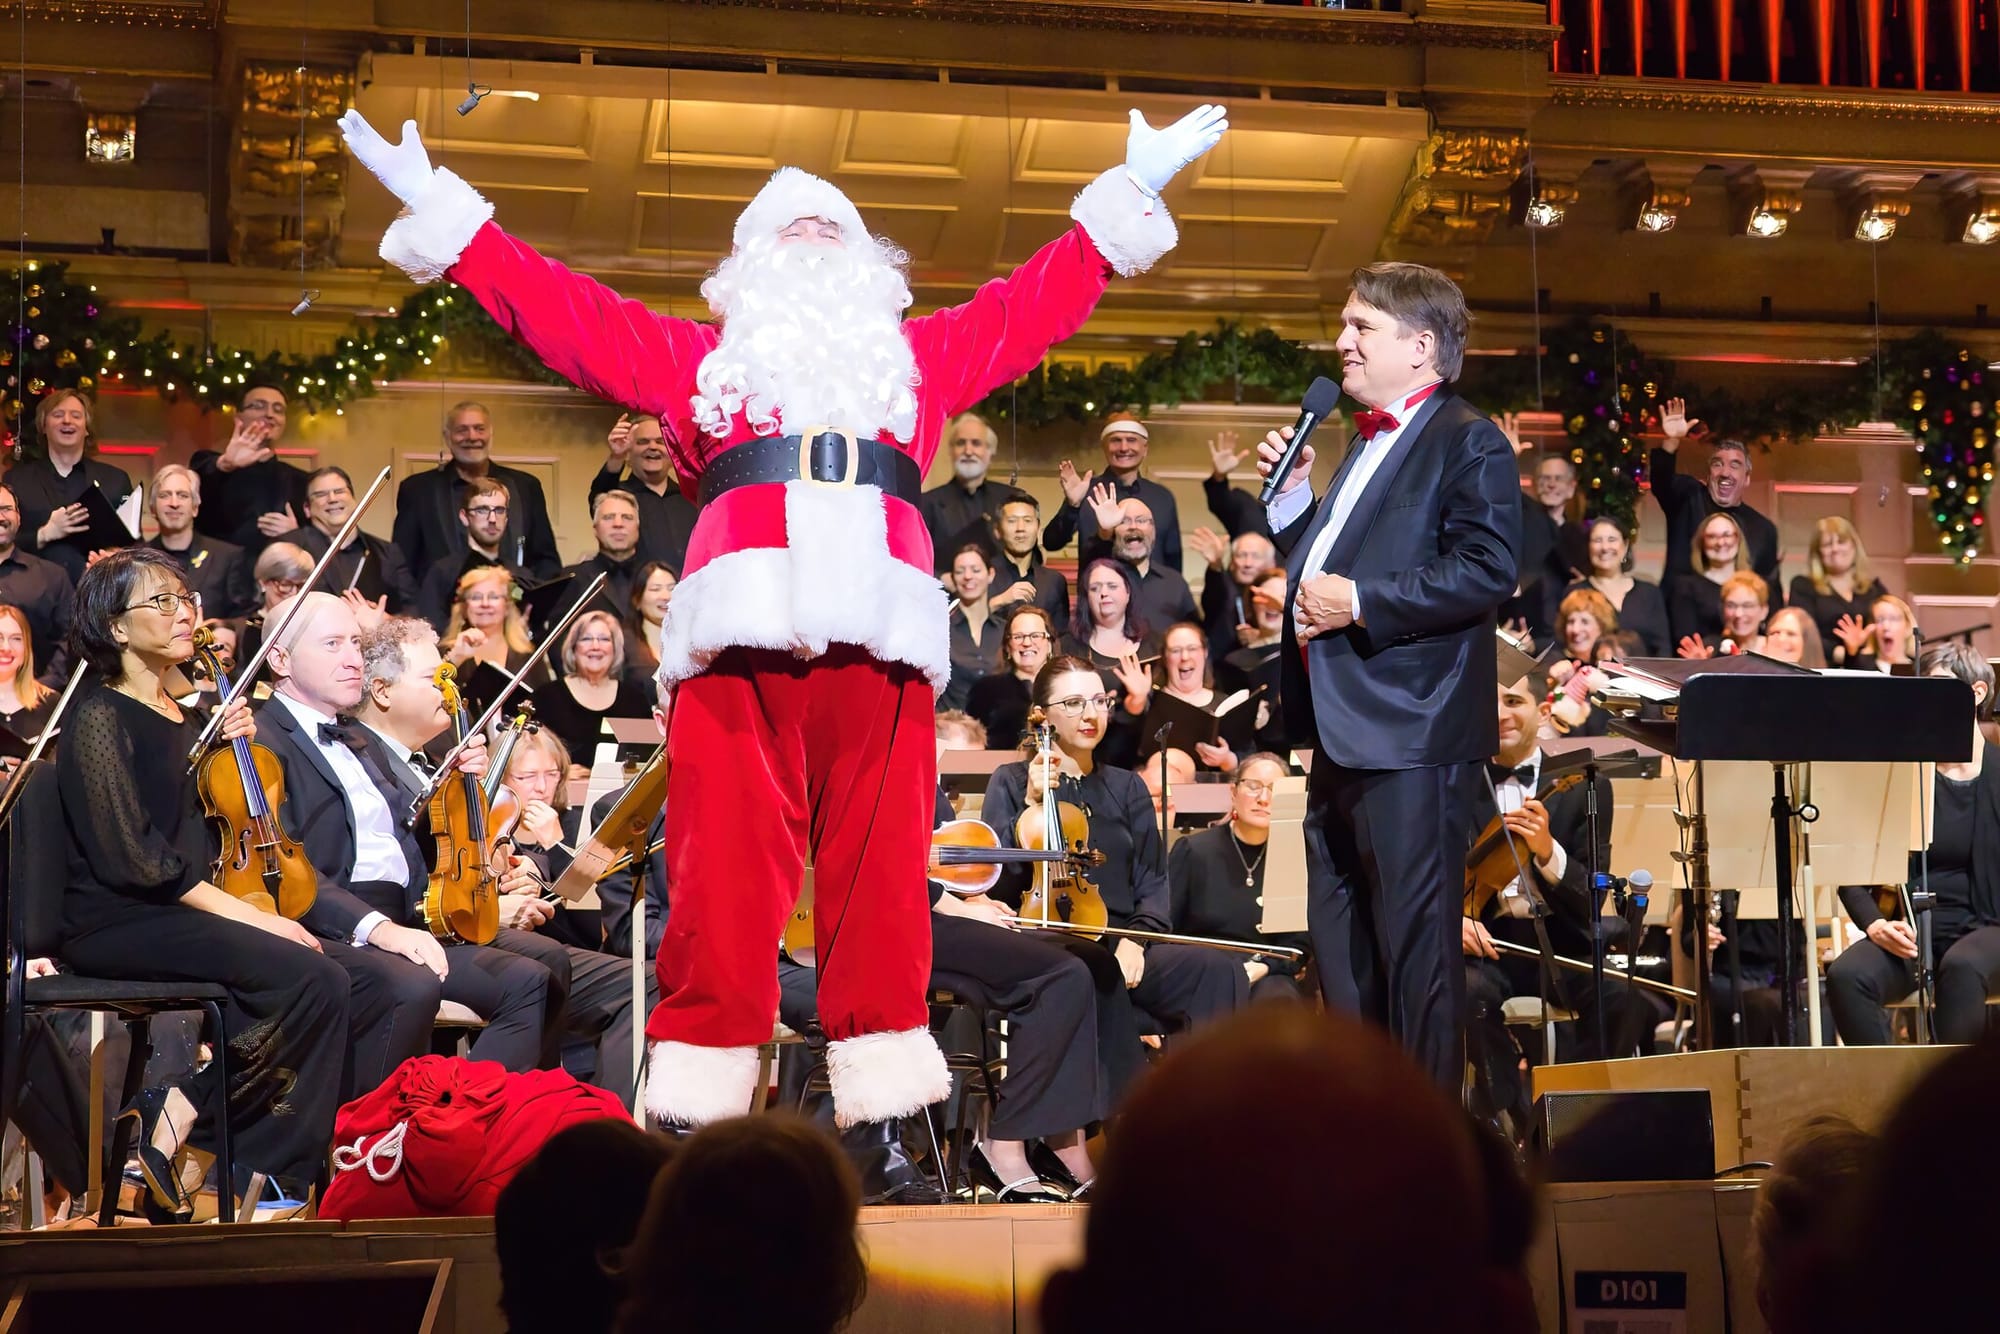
110	139
1874	224
1982	229
1767	224
1543	214
1653	218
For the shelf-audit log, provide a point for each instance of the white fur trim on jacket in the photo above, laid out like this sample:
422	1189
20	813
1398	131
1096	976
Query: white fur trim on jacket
1127	228
436	228
688	1085
792	194
836	583
881	1076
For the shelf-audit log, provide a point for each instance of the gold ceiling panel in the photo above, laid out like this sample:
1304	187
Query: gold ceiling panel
553	127
1067	151
886	143
542	217
1283	160
1221	245
918	231
684	225
714	134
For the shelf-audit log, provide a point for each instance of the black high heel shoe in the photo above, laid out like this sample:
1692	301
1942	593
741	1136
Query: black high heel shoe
1028	1190
148	1111
1050	1167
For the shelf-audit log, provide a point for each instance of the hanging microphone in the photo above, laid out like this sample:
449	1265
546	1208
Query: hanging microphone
1319	403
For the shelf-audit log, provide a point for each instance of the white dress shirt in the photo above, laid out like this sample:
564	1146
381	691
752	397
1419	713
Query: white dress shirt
378	854
1286	507
1512	794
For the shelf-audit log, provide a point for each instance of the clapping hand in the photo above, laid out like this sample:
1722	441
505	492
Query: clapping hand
276	523
1694	646
1074	487
1104	507
1852	632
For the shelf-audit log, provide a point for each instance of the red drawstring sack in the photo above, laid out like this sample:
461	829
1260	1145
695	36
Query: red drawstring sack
442	1135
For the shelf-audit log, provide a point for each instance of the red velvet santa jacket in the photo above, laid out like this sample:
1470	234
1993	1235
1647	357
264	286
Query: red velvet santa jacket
798	565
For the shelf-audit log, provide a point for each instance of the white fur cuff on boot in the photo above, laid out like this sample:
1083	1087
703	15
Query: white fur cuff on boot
688	1085
881	1076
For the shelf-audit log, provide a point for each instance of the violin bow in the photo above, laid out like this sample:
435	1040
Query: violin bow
443	772
246	673
12	793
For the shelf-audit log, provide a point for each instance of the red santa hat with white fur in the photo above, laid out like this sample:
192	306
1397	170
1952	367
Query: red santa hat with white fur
792	194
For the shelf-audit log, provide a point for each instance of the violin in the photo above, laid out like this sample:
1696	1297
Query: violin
242	787
1061	895
462	901
504	805
1494	861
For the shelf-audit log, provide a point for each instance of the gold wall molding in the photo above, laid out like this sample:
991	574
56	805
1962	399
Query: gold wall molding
1626	95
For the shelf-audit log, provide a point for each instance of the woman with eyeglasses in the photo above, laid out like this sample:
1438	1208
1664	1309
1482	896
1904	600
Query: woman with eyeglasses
139	905
281	571
1694	602
1177	986
538	773
653	586
1217	879
976	636
592	688
1184	675
487	631
1746	602
1639	606
1000	702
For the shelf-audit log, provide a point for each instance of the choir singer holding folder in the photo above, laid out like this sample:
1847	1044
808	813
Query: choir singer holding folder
1396	572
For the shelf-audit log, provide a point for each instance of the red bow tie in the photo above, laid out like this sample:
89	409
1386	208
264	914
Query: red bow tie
1370	422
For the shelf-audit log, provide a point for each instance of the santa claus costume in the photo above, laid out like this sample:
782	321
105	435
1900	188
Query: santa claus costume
808	635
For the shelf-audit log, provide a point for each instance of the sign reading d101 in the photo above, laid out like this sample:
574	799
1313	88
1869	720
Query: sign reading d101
1630	1301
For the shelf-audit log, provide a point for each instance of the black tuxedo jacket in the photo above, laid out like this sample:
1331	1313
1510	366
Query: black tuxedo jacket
1569	898
317	815
218	572
1432	546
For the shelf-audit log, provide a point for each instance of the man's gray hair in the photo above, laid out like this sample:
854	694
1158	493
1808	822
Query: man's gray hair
382	656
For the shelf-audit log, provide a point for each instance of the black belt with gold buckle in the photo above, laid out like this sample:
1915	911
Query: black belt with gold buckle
823	456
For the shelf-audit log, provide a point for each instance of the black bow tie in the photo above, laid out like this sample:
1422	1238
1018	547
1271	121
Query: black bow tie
1501	773
344	732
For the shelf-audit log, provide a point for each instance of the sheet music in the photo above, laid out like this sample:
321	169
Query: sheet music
130	508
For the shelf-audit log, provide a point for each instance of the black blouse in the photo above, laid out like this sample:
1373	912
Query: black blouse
135	830
1644	614
1827	608
970	662
27	724
1123	827
582	728
1206	875
1694	607
41	491
1000	703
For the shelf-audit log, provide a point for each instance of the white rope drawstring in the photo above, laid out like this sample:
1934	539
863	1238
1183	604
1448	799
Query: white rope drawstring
346	1158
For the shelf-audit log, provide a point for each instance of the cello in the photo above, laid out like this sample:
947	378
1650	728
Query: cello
241	793
462	901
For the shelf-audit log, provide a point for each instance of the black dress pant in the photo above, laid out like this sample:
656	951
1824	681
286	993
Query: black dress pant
286	1025
1866	977
1385	877
1052	1084
1629	1016
51	1107
517	991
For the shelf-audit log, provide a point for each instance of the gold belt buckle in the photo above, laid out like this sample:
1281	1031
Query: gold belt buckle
809	436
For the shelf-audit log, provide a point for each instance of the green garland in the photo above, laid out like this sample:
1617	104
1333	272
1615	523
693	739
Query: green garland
1607	391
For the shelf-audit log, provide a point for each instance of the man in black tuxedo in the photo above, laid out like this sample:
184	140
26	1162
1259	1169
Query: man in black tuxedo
1396	573
1551	828
342	807
427	529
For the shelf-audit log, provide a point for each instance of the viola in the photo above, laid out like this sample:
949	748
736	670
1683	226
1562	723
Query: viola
1061	895
462	901
1496	858
242	788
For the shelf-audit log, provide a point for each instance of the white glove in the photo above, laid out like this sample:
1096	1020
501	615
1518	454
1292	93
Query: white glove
405	168
1153	156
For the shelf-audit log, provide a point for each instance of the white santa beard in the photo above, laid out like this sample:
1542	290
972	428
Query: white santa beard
810	335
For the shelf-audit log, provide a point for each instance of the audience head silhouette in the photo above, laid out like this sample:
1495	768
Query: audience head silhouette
1346	1182
751	1227
557	1260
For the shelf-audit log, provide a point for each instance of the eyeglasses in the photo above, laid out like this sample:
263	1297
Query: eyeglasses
1256	788
1075	705
285	586
1742	606
167	603
471	598
1031	637
488	511
594	639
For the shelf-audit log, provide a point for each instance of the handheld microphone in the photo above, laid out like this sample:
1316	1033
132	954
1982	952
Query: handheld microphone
1320	400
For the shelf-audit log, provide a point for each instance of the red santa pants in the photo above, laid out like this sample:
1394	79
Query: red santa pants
771	755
